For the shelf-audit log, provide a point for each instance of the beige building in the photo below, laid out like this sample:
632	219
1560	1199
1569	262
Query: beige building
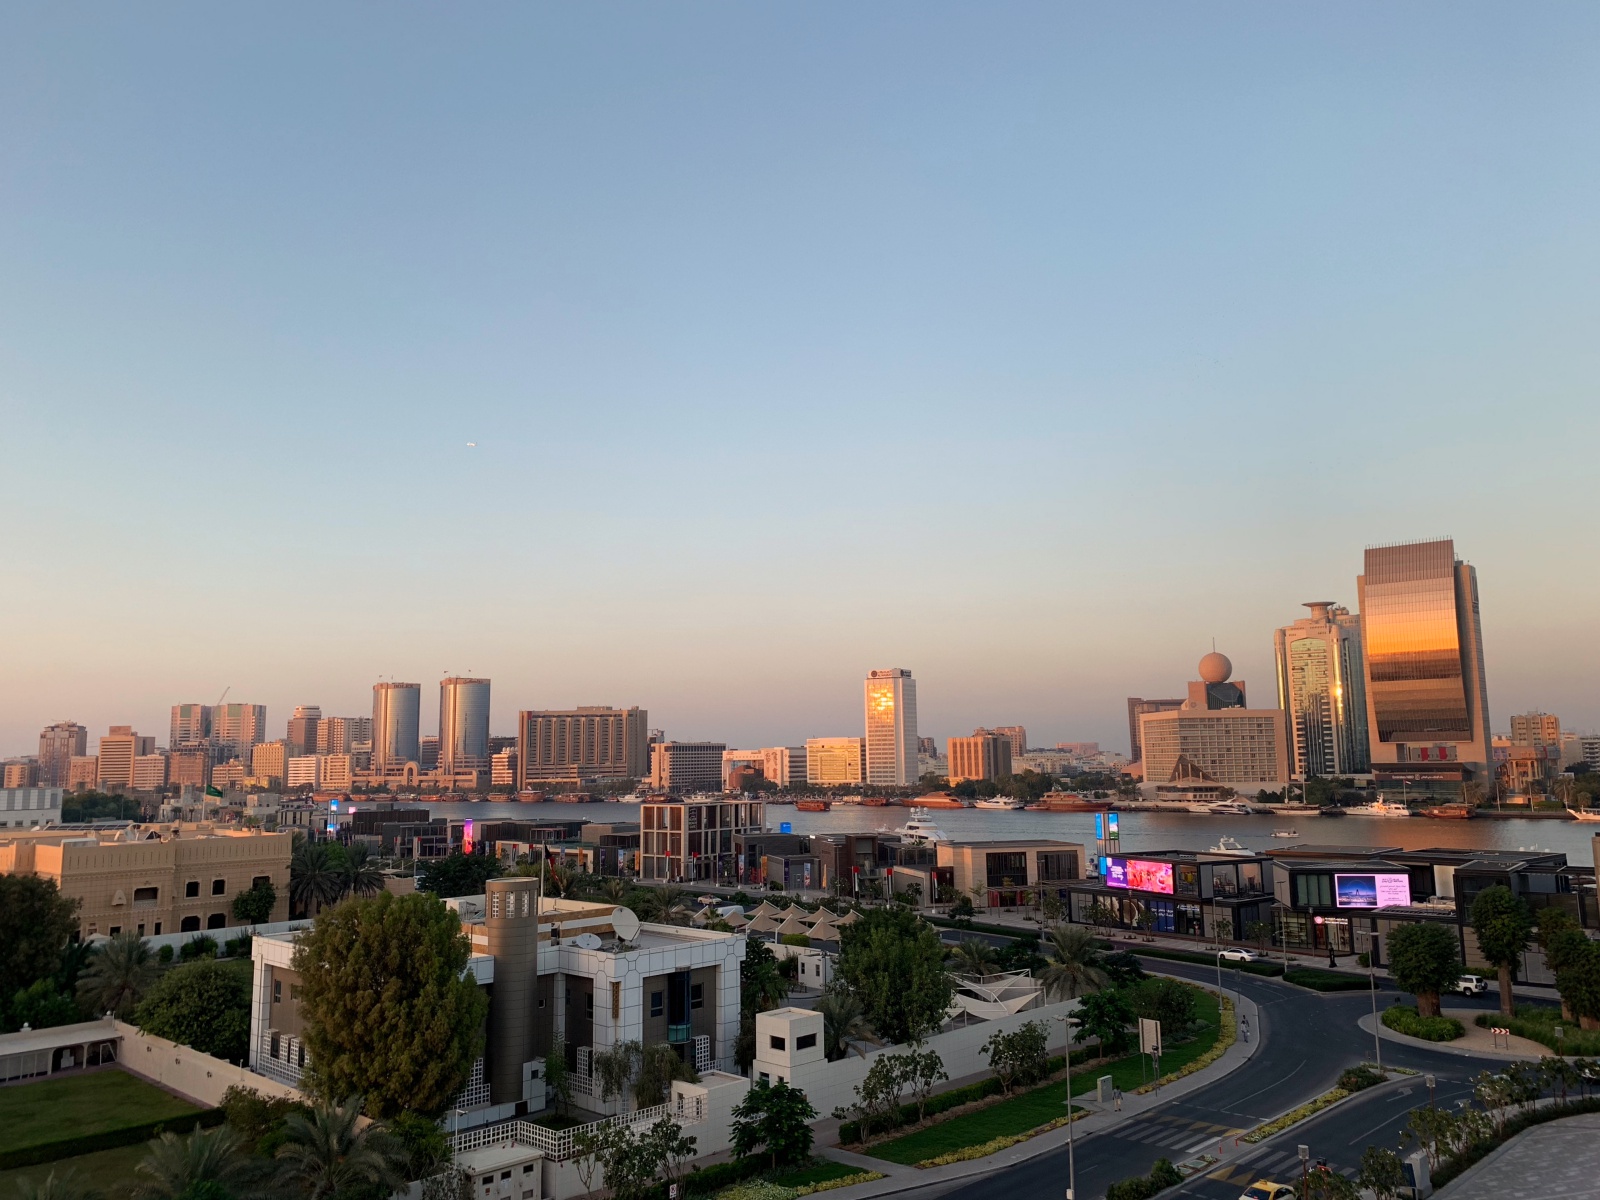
269	763
687	766
150	772
891	722
118	749
22	773
1214	741
984	755
1536	729
1008	874
58	743
83	772
784	766
834	761
1017	735
503	769
582	744
191	767
153	879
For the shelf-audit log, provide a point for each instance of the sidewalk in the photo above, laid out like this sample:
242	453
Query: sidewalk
900	1178
1478	1043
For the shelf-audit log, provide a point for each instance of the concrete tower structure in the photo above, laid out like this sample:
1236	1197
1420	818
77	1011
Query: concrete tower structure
59	744
463	724
1322	690
891	715
396	709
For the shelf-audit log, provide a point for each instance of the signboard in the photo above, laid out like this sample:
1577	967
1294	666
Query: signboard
1106	827
1139	874
1371	890
466	836
1149	1036
1099	827
786	827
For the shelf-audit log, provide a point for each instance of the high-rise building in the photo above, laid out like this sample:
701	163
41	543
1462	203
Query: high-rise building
118	749
341	735
269	762
1322	690
590	743
21	773
835	761
984	755
891	710
463	724
236	728
83	772
1427	696
927	747
59	744
428	752
191	725
1137	707
303	729
783	766
1017	735
303	770
1211	743
150	772
503	768
1536	729
396	712
190	767
687	766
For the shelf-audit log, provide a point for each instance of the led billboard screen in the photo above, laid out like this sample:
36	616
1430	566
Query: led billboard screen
1139	874
1374	890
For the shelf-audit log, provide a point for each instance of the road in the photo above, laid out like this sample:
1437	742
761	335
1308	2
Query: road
1309	1040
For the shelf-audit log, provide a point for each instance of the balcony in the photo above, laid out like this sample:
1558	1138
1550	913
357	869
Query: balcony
680	1033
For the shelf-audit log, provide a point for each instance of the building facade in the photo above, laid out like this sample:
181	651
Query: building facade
237	728
118	749
30	807
891	718
396	712
1322	691
302	730
1427	696
269	763
984	755
191	725
835	761
686	766
1137	707
150	772
582	744
59	744
463	724
693	839
1017	735
1214	742
1536	729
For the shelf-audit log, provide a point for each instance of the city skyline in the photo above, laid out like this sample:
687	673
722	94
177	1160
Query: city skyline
676	323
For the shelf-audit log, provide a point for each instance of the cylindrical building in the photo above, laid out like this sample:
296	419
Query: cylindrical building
515	1021
395	711
463	724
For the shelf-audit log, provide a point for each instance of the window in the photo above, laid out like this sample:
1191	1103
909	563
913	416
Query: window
805	1041
1313	891
294	991
697	995
657	1003
260	881
158	928
141	930
191	889
114	930
1007	869
276	1045
277	990
778	1043
765	1078
219	887
588	1005
146	895
217	921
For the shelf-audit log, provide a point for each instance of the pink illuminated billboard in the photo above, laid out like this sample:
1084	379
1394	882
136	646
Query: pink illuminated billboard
1139	874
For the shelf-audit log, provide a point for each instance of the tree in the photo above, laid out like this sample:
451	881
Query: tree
1106	1016
1259	932
1382	1173
1424	959
923	1072
974	956
631	1161
1563	942
762	988
666	905
1122	968
557	1079
843	1023
878	1094
1019	1057
615	1067
1167	1001
36	923
962	911
1578	982
659	1065
118	975
326	1153
1324	1183
65	1186
361	874
205	1005
43	1005
774	1119
423	1144
180	1167
894	965
314	879
1504	927
458	875
387	1012
1072	963
254	905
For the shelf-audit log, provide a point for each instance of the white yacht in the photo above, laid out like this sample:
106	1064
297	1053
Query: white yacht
1008	803
1285	833
1228	845
1379	808
1231	808
920	829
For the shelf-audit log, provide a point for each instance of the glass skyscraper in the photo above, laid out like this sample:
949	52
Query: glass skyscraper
1427	698
1323	693
891	703
396	708
463	724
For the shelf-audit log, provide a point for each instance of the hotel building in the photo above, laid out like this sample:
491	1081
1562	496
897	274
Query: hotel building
835	761
463	725
59	744
582	745
1214	742
984	755
1322	689
891	715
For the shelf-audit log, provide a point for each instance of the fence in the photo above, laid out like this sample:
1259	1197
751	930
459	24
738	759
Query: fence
556	1145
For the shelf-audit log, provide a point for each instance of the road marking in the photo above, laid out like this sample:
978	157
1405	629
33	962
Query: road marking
1197	1149
1270	1086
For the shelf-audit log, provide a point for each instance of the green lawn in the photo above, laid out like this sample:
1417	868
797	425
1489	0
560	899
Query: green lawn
110	1172
1043	1105
819	1172
91	1102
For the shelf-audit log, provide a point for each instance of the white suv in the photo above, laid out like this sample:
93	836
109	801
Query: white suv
1472	985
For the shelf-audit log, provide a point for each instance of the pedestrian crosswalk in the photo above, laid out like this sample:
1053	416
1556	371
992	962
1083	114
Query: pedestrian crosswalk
1179	1134
1265	1162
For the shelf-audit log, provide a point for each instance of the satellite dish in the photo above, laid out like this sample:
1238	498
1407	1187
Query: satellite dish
625	923
586	941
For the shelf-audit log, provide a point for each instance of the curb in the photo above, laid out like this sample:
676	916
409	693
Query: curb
1404	1039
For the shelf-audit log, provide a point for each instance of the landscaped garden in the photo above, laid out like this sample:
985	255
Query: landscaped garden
1539	1023
80	1106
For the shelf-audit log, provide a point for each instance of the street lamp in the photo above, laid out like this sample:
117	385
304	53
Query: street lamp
1072	1162
1430	1081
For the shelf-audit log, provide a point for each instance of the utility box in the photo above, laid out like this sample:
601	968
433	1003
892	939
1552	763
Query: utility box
1106	1089
1418	1182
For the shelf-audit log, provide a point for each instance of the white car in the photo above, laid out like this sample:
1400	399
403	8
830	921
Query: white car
1472	985
1239	956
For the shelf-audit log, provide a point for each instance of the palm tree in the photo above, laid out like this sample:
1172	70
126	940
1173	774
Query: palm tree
560	881
844	1023
666	905
1072	963
974	956
362	876
314	880
326	1153
615	890
118	974
55	1187
176	1165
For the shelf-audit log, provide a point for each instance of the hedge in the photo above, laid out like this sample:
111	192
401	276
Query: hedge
109	1139
1403	1018
850	1131
1326	981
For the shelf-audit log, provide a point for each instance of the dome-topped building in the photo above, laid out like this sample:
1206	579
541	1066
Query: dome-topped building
1216	668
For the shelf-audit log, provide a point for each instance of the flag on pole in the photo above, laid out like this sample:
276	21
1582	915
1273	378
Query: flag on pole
213	790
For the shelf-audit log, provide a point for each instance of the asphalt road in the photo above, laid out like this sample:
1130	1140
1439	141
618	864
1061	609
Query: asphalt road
1309	1039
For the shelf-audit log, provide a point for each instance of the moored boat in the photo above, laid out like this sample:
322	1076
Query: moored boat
812	805
1446	812
1073	802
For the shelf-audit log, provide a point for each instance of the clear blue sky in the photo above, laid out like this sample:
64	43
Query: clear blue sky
1026	346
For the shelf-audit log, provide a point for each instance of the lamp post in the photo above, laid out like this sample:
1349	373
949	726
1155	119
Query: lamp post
1072	1161
1372	975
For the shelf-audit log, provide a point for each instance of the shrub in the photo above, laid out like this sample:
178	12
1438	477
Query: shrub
164	955
1141	1187
1326	981
238	947
1403	1018
1354	1079
204	946
1539	1024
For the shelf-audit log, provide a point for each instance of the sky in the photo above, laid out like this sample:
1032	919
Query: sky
1030	347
